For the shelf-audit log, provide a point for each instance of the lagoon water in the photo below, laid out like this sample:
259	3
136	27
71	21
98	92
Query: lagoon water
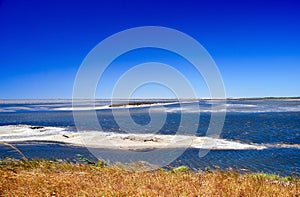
272	124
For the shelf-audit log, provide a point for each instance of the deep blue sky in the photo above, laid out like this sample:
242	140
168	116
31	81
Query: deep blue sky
256	44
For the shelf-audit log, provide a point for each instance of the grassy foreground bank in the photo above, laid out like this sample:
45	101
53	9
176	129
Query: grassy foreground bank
48	178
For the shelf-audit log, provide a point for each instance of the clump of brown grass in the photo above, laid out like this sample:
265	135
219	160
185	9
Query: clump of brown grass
48	178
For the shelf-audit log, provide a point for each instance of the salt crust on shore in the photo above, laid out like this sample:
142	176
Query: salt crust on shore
98	139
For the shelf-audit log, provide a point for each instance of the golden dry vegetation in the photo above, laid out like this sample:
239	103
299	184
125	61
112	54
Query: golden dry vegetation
48	178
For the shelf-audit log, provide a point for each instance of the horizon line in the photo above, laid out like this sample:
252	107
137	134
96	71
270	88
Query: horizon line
228	98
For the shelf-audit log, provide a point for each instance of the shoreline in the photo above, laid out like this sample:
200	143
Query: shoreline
213	160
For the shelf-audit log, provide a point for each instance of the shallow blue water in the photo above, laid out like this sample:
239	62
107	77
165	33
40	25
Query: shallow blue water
272	122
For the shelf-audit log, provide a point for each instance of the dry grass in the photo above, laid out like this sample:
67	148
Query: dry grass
46	178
